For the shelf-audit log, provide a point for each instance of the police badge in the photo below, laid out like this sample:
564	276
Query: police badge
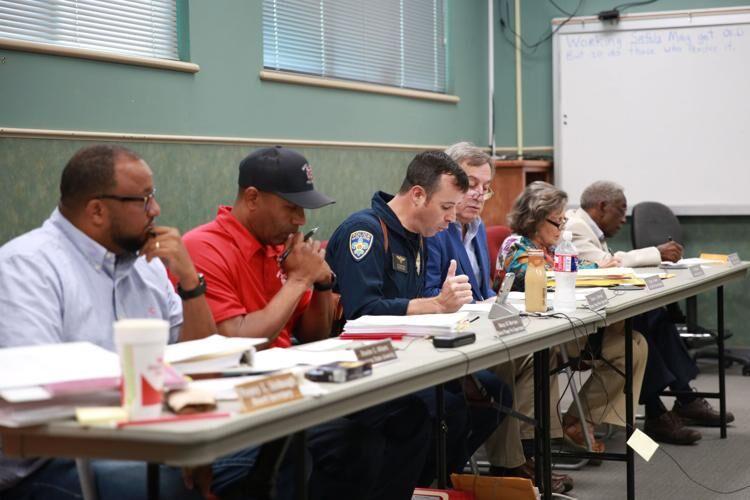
360	243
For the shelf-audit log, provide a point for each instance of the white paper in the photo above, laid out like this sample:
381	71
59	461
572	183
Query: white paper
417	324
642	444
280	359
685	263
483	307
210	347
46	364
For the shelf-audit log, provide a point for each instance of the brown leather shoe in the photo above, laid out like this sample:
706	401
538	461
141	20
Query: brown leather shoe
573	434
561	483
700	412
668	428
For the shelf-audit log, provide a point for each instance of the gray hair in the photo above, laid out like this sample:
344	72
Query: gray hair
533	205
469	153
601	191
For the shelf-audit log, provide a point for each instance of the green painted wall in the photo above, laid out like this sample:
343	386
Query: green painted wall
192	180
227	98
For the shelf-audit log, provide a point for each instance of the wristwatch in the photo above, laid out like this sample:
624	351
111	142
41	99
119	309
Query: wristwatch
327	286
195	292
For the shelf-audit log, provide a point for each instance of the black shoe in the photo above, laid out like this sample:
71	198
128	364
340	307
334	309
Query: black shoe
668	428
700	412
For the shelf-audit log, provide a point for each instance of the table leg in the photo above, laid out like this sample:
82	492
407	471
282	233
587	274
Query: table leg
152	481
299	446
440	435
542	447
722	366
629	410
86	478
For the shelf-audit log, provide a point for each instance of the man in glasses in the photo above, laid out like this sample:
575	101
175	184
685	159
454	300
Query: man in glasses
99	257
465	241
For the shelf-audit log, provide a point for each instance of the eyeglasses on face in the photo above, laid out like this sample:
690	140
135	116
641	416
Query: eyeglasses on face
147	200
484	194
557	224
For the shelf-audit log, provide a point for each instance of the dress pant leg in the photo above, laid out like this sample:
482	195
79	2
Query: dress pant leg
658	327
602	395
525	389
485	420
504	448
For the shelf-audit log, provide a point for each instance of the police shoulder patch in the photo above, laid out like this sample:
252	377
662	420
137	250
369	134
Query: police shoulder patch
360	242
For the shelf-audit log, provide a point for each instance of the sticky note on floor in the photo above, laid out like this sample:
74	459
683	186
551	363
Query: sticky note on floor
642	444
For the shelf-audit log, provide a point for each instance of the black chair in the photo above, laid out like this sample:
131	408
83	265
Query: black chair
653	224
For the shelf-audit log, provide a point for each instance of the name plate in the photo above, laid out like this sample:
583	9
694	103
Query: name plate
697	271
377	352
268	391
509	325
597	300
654	283
734	259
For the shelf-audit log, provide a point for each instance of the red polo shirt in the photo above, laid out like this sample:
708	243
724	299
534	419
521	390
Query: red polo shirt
242	275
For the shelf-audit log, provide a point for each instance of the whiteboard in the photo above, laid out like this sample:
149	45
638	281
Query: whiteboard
659	103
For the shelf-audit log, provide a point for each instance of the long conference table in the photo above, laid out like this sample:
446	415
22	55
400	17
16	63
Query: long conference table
419	366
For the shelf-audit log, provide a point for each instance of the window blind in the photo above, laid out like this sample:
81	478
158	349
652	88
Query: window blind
391	42
134	27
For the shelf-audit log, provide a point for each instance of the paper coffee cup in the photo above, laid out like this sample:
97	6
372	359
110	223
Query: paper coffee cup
140	344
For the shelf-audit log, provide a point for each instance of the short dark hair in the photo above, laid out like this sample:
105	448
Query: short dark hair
427	167
91	172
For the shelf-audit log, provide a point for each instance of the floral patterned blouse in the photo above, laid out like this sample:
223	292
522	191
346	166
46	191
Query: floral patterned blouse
513	257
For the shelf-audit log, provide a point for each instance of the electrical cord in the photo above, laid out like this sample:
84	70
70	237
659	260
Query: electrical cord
506	27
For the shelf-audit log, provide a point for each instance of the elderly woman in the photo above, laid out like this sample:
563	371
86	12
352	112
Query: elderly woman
537	219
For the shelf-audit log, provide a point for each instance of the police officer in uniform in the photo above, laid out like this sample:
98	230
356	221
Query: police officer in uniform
378	255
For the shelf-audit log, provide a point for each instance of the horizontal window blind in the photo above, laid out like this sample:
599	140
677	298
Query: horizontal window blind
391	42
145	28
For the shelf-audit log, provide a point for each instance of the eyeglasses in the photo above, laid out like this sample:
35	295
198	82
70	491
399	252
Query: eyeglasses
484	194
558	225
147	200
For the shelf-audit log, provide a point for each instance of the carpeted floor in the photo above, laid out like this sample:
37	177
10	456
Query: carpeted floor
720	464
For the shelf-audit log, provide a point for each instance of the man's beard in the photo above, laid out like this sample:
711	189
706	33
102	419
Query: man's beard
131	244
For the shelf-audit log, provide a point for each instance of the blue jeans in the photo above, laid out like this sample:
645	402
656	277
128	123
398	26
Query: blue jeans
124	480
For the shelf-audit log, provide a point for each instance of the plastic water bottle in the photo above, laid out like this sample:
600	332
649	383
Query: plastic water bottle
566	270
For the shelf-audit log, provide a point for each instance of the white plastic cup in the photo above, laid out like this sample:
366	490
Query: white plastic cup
140	344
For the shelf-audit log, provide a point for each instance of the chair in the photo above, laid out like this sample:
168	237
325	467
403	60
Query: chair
652	224
495	237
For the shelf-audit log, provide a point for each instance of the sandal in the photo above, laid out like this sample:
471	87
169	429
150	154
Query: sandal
573	435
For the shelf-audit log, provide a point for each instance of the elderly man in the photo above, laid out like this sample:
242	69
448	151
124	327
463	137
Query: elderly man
380	258
267	281
97	258
601	215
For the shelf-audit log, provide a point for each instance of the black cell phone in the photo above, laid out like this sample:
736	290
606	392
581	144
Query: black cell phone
504	291
458	340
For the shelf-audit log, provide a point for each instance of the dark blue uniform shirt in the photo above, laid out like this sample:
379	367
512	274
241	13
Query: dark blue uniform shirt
370	279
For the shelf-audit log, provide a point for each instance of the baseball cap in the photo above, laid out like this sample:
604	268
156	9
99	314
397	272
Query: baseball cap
283	172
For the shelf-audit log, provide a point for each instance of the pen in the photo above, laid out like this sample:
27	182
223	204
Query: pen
472	320
308	235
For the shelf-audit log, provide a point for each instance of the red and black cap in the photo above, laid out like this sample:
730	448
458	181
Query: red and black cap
283	172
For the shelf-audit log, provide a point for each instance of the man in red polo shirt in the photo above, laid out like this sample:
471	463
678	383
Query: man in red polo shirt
264	280
254	293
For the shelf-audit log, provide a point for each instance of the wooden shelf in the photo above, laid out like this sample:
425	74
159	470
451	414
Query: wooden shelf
511	177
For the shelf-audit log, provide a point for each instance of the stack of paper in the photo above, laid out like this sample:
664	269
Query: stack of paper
211	354
417	324
685	263
41	383
46	382
602	277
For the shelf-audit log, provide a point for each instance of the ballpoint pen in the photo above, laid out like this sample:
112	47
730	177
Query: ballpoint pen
308	235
